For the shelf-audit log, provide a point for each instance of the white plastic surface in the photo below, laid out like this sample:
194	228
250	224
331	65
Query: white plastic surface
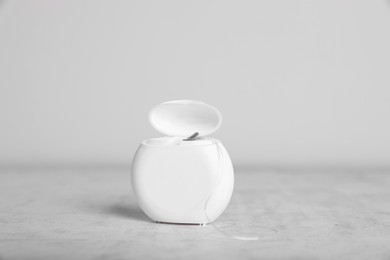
185	182
182	118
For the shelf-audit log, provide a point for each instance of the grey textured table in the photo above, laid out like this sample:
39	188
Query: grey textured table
90	213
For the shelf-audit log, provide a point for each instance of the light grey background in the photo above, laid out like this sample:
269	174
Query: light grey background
298	82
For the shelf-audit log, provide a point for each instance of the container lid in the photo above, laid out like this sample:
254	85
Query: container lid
182	118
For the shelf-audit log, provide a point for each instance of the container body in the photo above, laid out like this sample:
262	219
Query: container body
188	182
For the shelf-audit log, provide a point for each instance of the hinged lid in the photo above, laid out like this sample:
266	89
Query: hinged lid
182	118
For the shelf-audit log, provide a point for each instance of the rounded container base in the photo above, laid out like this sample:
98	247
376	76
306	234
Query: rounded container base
186	224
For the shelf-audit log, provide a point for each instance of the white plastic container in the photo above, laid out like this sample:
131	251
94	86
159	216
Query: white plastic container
177	179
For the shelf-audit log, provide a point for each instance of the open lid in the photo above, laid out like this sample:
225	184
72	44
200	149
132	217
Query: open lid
182	118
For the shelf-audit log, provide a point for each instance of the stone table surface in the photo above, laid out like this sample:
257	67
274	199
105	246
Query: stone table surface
91	213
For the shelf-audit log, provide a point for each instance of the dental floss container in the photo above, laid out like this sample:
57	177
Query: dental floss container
184	177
